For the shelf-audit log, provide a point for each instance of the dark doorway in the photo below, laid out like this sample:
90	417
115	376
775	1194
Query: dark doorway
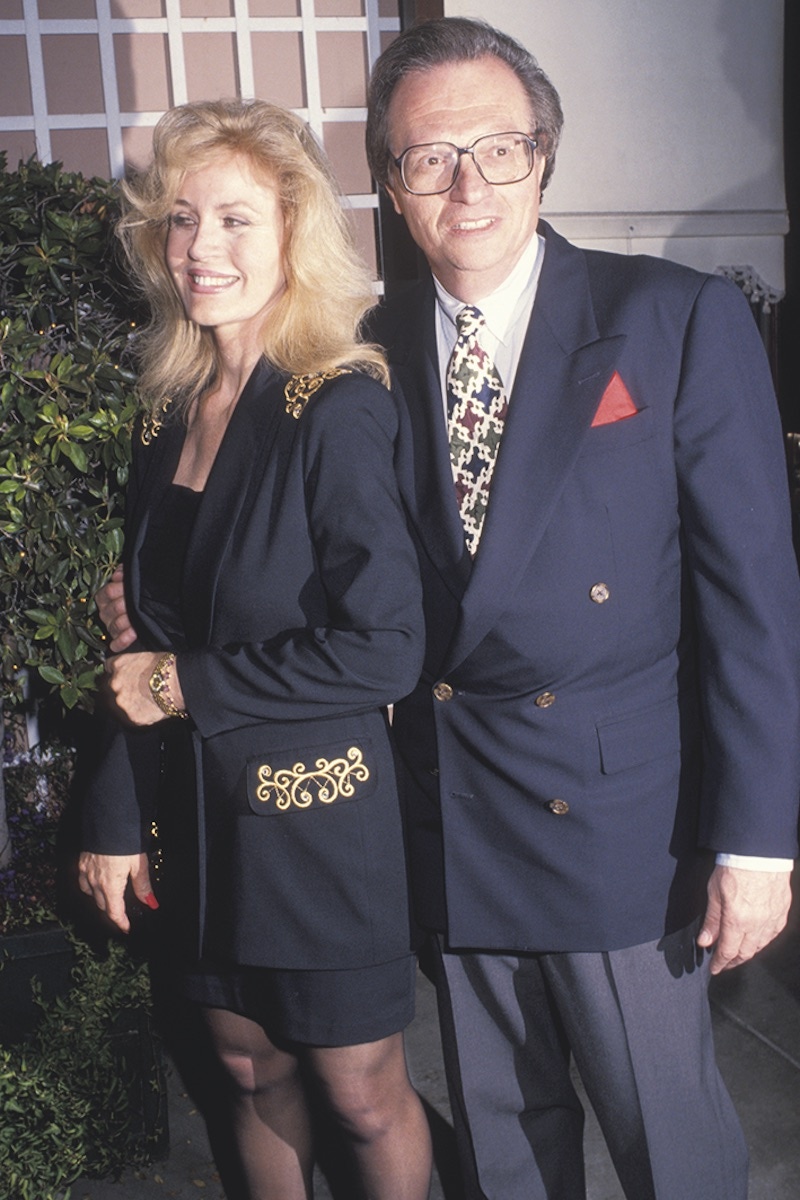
399	259
789	309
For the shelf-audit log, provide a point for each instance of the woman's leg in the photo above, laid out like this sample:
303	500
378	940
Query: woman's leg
370	1095
268	1112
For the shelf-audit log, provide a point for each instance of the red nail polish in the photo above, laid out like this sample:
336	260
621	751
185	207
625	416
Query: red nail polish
150	901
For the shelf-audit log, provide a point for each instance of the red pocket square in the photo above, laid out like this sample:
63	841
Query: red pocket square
616	403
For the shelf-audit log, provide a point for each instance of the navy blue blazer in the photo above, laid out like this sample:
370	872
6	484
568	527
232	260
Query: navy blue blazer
614	685
302	610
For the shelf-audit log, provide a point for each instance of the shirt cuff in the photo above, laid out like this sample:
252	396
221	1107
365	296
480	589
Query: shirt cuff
751	862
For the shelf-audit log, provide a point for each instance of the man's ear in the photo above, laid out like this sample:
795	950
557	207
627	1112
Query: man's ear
390	192
539	168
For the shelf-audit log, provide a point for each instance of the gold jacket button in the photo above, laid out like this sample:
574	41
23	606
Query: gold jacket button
545	700
599	593
443	691
559	807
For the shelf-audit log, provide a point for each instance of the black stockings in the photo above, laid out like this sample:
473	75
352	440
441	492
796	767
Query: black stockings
365	1087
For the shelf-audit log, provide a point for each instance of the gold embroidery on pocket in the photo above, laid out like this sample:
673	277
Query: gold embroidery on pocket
301	388
298	787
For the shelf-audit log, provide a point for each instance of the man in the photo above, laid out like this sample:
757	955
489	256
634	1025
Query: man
610	695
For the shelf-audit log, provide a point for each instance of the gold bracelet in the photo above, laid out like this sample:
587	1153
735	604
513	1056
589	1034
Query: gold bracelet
159	687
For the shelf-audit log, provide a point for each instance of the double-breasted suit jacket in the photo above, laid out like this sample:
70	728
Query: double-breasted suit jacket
612	685
301	606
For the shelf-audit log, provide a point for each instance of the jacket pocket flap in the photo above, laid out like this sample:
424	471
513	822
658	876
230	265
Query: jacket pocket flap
639	738
287	781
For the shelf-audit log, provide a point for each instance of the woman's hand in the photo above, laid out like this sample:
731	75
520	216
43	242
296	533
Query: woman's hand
128	685
110	602
105	877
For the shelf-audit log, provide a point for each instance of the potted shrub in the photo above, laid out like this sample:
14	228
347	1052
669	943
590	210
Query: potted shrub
33	944
82	1088
83	1095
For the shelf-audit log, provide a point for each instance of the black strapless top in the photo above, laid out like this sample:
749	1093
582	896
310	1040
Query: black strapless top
162	559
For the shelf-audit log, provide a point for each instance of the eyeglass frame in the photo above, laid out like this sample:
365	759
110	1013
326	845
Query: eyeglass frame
461	150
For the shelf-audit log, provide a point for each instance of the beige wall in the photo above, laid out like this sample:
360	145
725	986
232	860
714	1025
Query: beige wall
673	131
84	81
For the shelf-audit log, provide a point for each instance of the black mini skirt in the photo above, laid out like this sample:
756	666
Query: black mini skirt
318	1008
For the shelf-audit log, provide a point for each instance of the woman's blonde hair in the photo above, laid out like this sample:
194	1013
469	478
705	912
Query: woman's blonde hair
314	324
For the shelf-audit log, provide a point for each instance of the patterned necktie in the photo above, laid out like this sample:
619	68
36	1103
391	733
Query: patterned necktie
476	406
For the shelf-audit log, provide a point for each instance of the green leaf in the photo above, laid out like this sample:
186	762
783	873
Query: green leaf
76	454
88	679
39	615
52	675
67	643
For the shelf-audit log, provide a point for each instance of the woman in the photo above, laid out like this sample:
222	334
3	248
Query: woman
274	591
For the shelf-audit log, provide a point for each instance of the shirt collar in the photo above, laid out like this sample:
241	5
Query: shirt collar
501	308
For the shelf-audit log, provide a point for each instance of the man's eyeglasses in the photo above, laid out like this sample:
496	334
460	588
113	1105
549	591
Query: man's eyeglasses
432	168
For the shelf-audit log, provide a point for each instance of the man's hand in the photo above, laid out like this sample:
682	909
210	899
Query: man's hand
746	910
105	878
110	602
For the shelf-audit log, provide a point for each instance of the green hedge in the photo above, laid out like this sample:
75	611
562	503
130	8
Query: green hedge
66	1092
67	316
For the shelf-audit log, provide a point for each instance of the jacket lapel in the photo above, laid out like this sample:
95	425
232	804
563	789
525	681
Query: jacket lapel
162	462
564	367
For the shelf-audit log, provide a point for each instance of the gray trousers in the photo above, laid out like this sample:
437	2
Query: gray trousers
638	1025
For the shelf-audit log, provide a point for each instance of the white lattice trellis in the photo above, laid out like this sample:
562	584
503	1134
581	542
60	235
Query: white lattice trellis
173	26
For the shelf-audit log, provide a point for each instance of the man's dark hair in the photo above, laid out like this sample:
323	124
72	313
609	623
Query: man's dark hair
457	39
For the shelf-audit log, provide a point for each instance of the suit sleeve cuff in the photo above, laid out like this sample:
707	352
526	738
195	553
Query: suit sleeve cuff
751	862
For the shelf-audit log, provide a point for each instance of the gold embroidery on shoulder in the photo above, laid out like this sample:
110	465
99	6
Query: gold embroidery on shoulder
154	421
296	786
301	388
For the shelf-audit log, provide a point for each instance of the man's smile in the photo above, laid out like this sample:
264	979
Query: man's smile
476	224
